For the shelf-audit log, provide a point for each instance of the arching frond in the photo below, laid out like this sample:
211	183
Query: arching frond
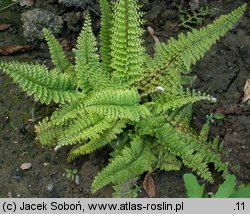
177	55
133	162
128	54
57	54
36	80
170	101
105	35
105	138
193	153
88	68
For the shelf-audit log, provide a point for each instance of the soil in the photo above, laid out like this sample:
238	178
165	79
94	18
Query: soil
221	73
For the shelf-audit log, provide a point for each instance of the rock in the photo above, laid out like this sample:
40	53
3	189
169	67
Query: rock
25	166
77	180
27	3
245	51
35	20
194	4
23	129
50	187
77	3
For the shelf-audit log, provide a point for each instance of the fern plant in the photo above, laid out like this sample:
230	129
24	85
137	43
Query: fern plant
125	98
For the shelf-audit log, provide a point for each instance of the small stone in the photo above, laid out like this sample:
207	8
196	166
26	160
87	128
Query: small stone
23	129
46	164
194	4
50	187
245	51
25	166
27	3
77	180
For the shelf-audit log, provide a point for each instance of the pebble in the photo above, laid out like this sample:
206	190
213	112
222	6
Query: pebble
77	180
23	129
50	187
245	51
25	166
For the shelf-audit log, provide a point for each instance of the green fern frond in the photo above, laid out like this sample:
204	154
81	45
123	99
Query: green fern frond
84	120
60	119
181	117
98	78
193	153
105	138
204	131
168	102
114	104
36	80
67	113
47	135
117	103
86	55
187	79
127	189
133	113
91	132
167	161
105	35
177	55
67	129
56	52
147	126
128	54
133	162
114	97
217	144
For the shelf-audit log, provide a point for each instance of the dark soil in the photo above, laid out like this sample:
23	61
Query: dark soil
222	73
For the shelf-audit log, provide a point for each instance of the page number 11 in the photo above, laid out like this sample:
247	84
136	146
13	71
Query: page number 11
240	206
